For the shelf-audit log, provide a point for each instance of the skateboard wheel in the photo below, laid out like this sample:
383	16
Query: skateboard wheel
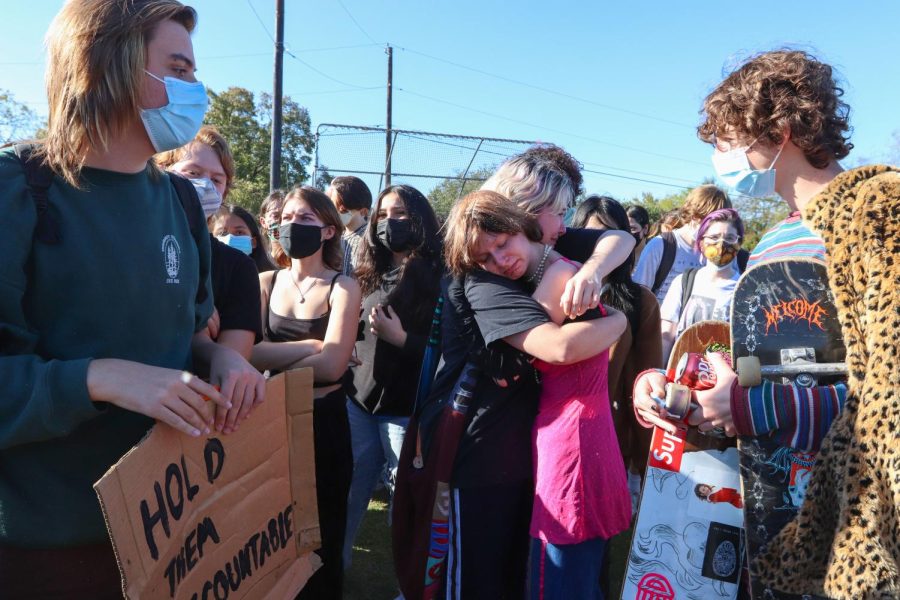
748	370
678	400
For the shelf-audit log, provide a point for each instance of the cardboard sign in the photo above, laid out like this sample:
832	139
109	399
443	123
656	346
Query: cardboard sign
222	516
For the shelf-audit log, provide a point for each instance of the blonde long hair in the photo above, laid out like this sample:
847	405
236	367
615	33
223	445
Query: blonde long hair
97	51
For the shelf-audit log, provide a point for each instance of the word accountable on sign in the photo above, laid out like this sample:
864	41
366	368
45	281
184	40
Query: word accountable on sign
170	497
221	517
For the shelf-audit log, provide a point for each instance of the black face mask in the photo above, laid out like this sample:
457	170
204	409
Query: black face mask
300	241
397	235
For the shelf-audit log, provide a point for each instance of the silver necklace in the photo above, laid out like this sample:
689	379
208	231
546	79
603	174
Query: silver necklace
315	280
538	274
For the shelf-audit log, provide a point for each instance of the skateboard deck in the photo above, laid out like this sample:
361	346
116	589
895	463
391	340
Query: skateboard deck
783	316
684	546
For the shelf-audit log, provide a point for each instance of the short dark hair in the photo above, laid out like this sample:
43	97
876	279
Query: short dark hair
639	214
353	192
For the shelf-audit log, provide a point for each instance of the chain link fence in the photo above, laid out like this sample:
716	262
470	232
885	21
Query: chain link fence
442	166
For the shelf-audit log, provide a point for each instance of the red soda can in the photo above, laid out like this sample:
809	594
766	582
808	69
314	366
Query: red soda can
695	372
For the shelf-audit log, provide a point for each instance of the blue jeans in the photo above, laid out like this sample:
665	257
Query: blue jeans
565	571
376	443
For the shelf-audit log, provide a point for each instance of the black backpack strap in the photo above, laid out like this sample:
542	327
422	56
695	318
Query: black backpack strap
193	210
687	285
668	259
39	177
742	257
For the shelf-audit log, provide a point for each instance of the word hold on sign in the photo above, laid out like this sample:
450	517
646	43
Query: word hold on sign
231	516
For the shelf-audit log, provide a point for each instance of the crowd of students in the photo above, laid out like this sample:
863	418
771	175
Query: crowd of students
567	327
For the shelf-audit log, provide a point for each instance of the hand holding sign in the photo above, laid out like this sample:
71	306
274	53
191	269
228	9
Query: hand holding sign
242	384
232	516
162	394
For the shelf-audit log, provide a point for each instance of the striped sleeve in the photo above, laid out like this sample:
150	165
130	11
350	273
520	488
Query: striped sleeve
791	238
798	417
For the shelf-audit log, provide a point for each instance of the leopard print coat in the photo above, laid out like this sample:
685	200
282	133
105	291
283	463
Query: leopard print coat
845	541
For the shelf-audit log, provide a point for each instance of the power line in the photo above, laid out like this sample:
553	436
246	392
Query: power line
323	92
323	73
689	181
548	90
681	187
561	132
297	58
225	56
262	24
355	22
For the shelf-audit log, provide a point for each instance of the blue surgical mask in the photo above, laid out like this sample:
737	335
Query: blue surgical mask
238	242
210	199
175	124
734	170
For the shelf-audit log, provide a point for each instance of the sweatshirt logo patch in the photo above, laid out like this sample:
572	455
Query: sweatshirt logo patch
171	257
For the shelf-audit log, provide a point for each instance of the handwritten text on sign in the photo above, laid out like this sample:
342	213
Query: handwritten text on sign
216	517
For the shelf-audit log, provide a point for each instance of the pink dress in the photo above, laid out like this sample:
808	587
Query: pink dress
581	491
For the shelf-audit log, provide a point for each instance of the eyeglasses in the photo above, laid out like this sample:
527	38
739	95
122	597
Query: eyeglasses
728	239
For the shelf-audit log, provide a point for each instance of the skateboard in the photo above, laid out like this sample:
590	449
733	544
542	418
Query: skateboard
687	540
784	328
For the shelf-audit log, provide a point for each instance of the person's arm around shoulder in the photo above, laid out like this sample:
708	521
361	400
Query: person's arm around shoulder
567	343
340	337
582	291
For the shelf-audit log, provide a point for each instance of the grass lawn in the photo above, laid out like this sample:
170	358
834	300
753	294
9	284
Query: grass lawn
371	576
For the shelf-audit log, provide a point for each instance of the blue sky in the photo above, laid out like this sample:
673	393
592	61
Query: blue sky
617	84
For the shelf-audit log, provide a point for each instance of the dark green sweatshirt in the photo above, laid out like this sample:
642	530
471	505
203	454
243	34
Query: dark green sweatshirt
121	284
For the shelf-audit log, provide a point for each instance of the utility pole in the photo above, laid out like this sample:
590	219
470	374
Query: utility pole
387	134
275	154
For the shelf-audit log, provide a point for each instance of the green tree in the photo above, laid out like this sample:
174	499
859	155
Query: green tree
445	194
17	121
759	215
323	178
246	122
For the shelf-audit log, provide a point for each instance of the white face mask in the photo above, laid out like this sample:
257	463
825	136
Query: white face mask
734	170
346	217
210	199
244	243
175	124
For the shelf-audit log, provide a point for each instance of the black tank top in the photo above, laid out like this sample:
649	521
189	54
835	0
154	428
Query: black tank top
279	328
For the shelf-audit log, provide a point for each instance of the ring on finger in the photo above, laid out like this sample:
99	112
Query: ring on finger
186	377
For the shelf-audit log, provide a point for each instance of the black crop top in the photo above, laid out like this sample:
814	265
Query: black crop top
279	328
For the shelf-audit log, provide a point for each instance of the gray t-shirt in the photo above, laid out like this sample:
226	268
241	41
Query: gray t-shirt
710	300
645	272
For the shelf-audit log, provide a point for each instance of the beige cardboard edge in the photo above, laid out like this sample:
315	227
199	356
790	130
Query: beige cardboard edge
299	405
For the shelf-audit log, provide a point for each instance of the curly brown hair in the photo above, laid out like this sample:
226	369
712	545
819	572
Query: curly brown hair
779	90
